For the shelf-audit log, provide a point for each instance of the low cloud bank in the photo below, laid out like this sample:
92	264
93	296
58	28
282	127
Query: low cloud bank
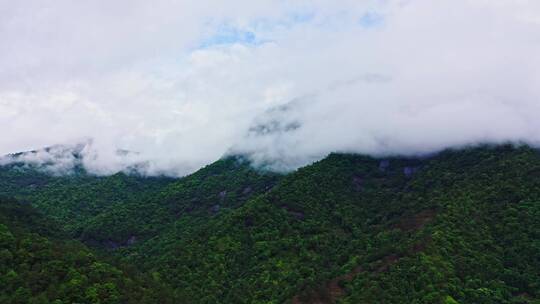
284	84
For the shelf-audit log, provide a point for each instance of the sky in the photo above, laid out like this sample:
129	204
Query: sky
182	83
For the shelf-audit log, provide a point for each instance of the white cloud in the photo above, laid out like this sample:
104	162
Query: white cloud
157	78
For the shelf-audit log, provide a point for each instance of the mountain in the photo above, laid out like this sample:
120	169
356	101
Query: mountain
112	210
460	226
74	199
39	264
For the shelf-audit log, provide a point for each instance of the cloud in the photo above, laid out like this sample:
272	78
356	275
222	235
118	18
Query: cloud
184	83
57	160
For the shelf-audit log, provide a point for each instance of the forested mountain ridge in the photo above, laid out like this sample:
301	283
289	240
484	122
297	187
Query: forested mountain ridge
75	199
213	190
461	226
111	210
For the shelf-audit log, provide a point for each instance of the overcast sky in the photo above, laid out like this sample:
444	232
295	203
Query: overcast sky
184	82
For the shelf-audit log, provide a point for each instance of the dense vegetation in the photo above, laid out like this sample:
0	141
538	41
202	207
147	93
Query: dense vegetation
213	190
458	227
74	199
114	210
39	265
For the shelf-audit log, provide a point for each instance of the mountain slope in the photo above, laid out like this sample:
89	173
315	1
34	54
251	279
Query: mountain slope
461	226
213	190
75	198
38	264
362	230
112	211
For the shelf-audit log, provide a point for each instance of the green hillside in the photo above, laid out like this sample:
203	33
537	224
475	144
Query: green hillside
112	210
75	198
39	264
461	226
212	191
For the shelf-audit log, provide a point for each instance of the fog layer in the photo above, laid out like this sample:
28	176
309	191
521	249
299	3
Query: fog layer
181	84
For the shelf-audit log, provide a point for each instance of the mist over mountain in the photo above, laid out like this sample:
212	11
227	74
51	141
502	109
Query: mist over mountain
270	151
66	159
286	84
